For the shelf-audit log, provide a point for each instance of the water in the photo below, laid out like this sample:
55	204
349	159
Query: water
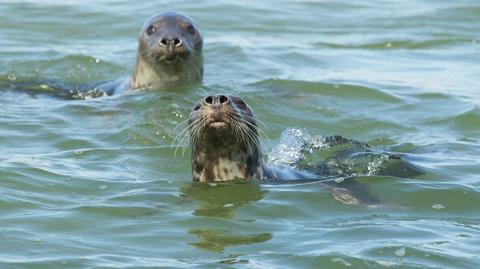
95	184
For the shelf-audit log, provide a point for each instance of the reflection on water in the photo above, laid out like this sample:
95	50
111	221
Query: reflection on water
217	240
221	200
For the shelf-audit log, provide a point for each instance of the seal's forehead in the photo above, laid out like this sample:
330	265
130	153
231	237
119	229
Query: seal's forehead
170	16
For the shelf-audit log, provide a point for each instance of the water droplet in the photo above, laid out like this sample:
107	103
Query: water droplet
400	252
389	45
103	187
228	205
438	206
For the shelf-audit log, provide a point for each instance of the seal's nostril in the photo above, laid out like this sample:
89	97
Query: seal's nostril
164	41
171	42
180	43
209	100
223	99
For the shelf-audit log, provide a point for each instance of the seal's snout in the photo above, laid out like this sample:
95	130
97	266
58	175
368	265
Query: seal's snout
218	108
216	100
171	43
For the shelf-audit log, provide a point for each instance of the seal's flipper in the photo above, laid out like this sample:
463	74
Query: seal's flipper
351	192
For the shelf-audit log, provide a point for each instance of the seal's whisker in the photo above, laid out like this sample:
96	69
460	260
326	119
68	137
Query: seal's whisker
183	131
199	129
183	136
249	135
256	120
239	131
178	125
256	127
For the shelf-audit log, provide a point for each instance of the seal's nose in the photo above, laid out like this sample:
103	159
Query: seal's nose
171	42
216	100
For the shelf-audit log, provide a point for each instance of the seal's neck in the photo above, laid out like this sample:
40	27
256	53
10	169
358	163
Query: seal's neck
221	160
157	76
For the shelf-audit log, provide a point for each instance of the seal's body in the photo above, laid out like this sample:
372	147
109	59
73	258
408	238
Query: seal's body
225	146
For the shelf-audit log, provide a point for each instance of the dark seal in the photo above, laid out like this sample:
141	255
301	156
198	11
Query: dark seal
169	53
225	143
225	146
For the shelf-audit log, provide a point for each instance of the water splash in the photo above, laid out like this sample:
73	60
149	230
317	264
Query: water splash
335	156
290	150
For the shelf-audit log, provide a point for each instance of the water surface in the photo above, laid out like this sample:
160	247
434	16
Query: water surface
95	184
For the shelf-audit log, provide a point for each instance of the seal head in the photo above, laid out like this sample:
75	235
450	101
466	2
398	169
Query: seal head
169	53
224	140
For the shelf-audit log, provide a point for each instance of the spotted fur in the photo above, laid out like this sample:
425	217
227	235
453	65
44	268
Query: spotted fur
224	139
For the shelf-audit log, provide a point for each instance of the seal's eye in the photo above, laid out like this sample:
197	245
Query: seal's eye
151	29
191	29
241	104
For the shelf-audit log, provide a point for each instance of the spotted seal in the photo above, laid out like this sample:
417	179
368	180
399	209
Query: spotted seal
169	53
225	146
225	143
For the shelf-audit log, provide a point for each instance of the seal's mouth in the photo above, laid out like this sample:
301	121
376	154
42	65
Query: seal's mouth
217	124
170	59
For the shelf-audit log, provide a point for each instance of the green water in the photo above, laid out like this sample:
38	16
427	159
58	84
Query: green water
95	184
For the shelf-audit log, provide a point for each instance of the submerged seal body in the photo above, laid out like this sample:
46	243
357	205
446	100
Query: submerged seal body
225	143
169	53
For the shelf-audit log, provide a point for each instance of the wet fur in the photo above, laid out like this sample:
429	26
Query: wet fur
224	153
152	69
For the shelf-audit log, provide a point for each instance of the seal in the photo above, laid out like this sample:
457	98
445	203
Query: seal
224	139
225	143
225	146
169	53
